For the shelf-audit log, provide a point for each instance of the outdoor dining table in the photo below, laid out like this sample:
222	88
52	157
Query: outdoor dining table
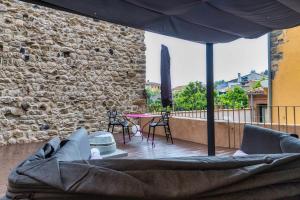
139	116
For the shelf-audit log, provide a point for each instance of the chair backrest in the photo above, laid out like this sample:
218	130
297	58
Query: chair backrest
112	115
165	116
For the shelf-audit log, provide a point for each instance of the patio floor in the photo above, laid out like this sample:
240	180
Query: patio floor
11	155
137	148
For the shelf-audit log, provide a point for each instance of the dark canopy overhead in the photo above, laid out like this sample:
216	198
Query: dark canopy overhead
206	21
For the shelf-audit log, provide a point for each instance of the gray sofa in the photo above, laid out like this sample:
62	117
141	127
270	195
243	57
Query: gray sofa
62	170
259	140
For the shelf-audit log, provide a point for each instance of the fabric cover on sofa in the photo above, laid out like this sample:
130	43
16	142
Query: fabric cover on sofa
76	147
260	177
259	140
290	145
46	151
257	177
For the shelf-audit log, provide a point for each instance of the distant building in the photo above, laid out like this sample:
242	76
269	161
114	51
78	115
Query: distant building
178	88
258	101
223	87
243	81
246	79
157	86
152	85
285	60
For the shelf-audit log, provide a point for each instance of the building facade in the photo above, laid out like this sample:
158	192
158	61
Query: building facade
244	81
152	85
285	65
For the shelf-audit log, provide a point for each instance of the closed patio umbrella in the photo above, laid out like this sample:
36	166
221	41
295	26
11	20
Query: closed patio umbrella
166	88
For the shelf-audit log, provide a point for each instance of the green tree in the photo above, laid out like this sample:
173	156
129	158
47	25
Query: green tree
192	97
153	100
233	98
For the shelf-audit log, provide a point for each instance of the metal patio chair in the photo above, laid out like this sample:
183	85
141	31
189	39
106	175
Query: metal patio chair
163	122
114	119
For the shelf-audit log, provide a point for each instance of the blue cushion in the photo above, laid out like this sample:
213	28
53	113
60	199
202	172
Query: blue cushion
69	151
77	147
290	145
81	138
259	140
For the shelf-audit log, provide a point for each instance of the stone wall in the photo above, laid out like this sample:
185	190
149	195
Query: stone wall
60	71
277	39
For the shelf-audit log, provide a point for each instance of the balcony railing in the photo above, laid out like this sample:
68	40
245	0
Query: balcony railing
282	118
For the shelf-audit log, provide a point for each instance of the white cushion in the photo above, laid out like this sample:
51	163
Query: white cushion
95	154
240	153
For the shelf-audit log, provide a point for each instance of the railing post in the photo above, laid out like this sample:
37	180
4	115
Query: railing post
286	119
210	99
295	120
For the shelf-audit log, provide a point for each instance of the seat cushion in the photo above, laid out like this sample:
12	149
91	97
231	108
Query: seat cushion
259	140
47	150
290	145
162	123
120	123
239	153
115	123
69	151
51	147
77	147
80	136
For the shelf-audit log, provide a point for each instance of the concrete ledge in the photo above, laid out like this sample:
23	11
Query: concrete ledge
228	134
195	130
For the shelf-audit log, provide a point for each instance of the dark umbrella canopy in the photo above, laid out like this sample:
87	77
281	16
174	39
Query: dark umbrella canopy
165	73
206	21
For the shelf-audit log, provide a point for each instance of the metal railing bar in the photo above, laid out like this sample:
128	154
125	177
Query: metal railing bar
286	119
278	110
295	128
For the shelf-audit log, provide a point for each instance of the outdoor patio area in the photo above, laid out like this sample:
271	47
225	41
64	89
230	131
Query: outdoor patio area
137	149
87	111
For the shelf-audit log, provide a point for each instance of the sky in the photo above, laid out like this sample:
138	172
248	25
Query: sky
188	58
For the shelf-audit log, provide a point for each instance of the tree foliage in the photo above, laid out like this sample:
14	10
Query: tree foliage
153	99
234	98
193	97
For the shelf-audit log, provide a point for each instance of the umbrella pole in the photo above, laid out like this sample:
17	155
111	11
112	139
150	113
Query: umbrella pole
210	99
